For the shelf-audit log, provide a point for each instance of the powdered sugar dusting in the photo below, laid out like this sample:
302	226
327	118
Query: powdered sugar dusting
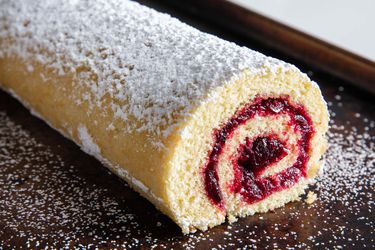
87	141
152	66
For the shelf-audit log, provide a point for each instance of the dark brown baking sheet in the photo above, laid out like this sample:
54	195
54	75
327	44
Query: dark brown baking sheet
53	194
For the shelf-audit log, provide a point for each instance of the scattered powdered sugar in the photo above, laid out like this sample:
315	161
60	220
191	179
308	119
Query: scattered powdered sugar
68	209
349	166
29	201
152	66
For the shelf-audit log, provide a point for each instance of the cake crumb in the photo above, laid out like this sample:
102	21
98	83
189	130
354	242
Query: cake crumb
311	197
232	219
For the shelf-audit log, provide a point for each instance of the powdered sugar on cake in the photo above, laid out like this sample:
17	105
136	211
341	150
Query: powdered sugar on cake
152	66
87	141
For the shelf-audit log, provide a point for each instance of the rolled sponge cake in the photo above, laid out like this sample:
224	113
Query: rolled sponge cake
204	129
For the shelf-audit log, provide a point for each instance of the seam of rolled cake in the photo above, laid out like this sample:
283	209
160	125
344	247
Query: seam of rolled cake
138	185
88	144
91	148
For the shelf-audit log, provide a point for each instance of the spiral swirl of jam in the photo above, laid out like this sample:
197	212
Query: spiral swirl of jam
256	154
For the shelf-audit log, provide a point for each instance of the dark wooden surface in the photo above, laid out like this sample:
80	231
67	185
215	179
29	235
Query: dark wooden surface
84	205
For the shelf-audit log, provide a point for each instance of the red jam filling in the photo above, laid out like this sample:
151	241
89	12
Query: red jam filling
255	156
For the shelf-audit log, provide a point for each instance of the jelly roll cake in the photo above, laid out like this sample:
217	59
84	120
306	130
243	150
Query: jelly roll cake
204	129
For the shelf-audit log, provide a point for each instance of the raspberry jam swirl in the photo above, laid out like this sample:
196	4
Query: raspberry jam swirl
257	154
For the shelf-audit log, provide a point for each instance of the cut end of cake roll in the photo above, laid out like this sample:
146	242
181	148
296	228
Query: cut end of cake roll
252	146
